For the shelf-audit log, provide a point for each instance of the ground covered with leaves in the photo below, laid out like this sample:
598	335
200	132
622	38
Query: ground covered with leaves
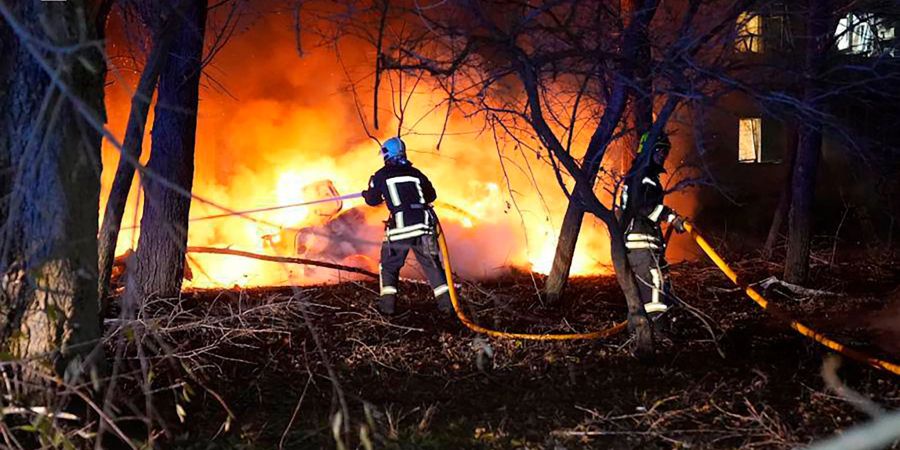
298	367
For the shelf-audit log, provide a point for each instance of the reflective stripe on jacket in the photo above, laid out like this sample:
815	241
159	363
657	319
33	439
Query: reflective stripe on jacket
407	193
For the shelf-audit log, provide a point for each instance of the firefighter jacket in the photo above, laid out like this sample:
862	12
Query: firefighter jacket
642	205
408	194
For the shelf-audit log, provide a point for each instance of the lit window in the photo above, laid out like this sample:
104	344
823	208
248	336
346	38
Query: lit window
749	33
864	34
750	140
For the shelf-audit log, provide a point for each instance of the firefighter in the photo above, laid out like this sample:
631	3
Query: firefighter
643	212
410	226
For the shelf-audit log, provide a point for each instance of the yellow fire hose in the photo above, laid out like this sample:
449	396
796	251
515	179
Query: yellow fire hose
454	299
619	327
799	327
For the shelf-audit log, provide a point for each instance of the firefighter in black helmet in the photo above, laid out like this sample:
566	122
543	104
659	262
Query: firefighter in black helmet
643	212
411	225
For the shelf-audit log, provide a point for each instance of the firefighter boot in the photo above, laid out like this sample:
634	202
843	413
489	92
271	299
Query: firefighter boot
445	306
386	304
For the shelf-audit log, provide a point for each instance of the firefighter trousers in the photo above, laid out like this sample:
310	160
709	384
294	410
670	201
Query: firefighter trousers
651	272
393	257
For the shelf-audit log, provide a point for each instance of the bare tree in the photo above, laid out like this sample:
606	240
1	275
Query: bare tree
51	75
809	149
831	86
632	80
162	25
784	199
552	70
159	261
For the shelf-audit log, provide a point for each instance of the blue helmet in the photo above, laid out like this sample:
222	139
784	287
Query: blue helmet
394	151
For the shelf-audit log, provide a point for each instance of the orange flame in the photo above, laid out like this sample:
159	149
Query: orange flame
288	122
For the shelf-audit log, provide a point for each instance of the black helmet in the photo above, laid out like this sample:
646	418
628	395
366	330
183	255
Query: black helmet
662	144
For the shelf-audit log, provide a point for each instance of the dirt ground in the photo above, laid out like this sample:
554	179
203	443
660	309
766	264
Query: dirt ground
423	381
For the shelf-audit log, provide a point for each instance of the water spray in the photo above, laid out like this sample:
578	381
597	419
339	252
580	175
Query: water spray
275	208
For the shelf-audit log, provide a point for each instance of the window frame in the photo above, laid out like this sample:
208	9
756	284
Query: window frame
756	135
865	34
750	31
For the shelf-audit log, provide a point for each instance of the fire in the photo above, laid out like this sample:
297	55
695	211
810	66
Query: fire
287	192
544	260
287	131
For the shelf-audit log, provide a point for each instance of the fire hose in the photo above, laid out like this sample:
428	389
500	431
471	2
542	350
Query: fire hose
454	299
794	324
752	293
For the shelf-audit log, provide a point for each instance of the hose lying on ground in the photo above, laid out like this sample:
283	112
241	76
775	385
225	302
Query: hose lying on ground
618	327
454	298
606	332
799	327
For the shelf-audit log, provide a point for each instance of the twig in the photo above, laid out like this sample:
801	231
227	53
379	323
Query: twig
294	414
837	233
706	321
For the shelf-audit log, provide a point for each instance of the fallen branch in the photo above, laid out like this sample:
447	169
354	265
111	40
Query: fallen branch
774	281
796	289
721	290
282	259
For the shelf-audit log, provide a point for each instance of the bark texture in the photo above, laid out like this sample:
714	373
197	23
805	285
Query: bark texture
637	317
131	146
565	252
50	166
159	260
809	150
784	199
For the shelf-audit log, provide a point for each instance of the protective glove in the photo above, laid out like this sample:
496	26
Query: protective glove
678	223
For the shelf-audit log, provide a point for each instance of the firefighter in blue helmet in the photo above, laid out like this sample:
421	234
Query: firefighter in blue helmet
643	212
410	226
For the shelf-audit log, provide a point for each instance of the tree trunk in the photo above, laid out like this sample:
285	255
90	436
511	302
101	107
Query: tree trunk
565	251
132	146
784	199
781	212
159	260
637	317
50	158
796	264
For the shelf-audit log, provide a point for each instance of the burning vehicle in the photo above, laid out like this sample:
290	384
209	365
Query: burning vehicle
329	232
